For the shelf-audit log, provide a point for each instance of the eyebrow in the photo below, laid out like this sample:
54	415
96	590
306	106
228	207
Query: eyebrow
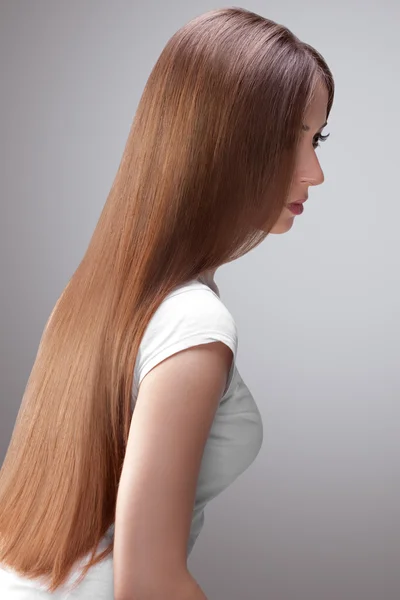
306	127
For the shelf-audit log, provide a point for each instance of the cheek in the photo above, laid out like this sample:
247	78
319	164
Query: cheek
304	155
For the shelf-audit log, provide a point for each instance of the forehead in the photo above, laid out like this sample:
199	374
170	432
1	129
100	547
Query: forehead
315	115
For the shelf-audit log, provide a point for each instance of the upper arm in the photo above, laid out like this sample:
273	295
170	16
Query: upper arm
171	421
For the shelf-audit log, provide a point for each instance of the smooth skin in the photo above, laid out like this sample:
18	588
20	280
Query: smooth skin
308	170
174	411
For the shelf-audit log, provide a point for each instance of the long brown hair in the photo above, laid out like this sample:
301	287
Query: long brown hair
209	159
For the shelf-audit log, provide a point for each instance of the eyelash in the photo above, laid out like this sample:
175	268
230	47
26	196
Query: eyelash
320	138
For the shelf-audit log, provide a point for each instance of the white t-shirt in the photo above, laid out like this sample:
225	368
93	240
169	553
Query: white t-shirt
191	314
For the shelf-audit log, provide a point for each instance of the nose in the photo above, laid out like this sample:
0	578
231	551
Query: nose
314	174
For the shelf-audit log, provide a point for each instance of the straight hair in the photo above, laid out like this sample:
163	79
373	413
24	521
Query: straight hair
204	176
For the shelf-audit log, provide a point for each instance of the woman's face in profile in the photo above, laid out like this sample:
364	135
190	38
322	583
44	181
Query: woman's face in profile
308	170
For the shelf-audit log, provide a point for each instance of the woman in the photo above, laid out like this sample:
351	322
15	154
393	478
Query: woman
135	415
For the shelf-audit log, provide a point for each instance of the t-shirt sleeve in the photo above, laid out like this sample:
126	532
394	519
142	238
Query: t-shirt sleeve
189	318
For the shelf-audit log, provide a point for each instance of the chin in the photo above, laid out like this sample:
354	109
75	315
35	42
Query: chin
283	225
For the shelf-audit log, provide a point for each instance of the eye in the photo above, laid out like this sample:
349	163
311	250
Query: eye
320	138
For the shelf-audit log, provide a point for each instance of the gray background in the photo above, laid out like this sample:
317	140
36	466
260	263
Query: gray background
317	516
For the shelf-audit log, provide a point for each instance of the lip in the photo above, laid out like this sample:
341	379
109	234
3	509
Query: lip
296	208
299	201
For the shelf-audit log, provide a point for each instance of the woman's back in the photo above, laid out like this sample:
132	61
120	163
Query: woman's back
190	315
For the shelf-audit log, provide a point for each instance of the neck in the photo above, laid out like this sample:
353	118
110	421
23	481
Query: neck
208	275
208	278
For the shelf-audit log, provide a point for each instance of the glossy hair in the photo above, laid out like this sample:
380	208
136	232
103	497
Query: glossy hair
209	160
